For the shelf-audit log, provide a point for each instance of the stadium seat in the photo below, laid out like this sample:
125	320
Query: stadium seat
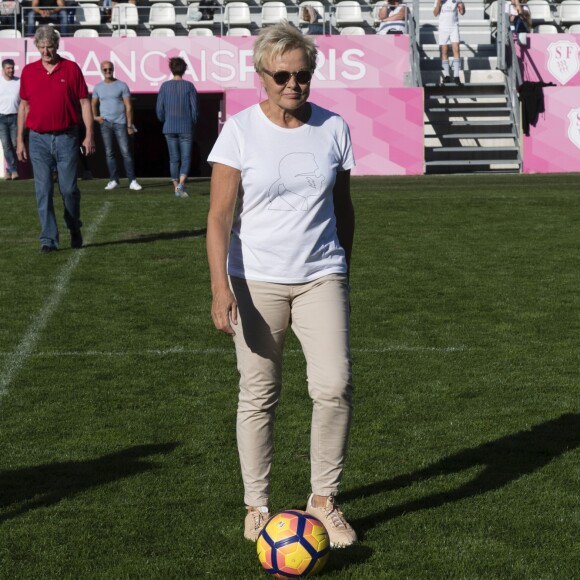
125	14
546	29
10	33
541	12
86	33
88	15
241	31
162	14
237	14
348	12
493	13
273	12
353	30
201	32
162	32
569	12
124	32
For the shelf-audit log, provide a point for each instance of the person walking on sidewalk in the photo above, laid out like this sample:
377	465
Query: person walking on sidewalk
113	111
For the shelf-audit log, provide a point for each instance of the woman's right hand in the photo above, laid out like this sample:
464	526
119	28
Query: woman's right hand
224	311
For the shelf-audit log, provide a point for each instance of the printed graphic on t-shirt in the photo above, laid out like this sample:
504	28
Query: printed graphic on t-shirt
299	179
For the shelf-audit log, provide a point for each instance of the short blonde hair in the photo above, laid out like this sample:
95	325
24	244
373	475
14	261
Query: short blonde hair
280	38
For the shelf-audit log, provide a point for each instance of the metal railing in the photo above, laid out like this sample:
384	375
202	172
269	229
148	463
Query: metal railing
119	21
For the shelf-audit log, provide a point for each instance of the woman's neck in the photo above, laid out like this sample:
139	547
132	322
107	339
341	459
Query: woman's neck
285	118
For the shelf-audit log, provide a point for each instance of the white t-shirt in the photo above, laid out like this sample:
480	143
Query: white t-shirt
284	230
449	15
9	95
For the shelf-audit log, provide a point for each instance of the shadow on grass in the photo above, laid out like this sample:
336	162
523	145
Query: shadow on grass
152	238
23	490
347	557
501	461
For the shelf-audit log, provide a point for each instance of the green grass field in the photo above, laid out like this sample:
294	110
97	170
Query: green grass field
117	396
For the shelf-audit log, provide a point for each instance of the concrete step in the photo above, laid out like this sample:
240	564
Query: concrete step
475	63
476	76
466	49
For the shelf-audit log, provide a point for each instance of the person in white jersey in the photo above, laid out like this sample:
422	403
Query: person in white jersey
393	18
9	101
279	239
448	12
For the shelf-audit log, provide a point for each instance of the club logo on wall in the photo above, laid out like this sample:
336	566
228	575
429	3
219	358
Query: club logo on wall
574	126
563	61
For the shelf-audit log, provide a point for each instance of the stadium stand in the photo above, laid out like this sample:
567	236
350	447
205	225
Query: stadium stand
546	29
237	14
348	12
541	12
353	30
162	32
569	13
10	33
239	31
162	14
88	14
125	14
86	33
201	32
273	12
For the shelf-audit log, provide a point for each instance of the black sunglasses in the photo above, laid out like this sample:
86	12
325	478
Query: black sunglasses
281	77
107	70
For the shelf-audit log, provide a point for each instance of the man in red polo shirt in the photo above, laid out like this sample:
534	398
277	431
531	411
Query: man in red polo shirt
51	90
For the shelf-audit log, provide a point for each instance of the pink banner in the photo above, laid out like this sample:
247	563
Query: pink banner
551	58
217	64
554	144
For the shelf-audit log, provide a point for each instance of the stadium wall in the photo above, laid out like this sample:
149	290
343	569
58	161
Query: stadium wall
553	145
361	78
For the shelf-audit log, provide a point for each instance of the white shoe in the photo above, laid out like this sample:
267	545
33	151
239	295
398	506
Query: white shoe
135	186
112	185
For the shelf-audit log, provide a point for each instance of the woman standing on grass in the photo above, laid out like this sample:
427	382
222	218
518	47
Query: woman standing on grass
283	167
177	110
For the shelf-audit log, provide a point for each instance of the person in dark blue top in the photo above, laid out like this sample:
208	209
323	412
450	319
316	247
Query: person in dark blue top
177	110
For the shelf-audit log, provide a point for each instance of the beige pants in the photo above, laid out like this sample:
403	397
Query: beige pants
319	312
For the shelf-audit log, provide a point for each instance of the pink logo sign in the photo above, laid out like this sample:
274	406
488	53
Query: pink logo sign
563	60
574	126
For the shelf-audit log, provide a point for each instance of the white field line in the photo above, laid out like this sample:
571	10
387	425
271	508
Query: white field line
16	360
223	351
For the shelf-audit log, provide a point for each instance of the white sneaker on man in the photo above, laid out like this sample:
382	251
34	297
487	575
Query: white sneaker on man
135	186
112	185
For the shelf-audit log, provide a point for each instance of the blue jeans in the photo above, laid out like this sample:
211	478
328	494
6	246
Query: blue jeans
49	152
119	131
60	17
179	145
8	140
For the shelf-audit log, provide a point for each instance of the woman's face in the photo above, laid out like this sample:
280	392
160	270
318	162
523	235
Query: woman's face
292	95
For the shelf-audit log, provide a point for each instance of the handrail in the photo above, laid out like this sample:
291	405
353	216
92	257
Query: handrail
413	24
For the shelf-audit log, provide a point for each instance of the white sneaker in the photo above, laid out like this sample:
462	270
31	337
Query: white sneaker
255	521
135	186
340	532
112	185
